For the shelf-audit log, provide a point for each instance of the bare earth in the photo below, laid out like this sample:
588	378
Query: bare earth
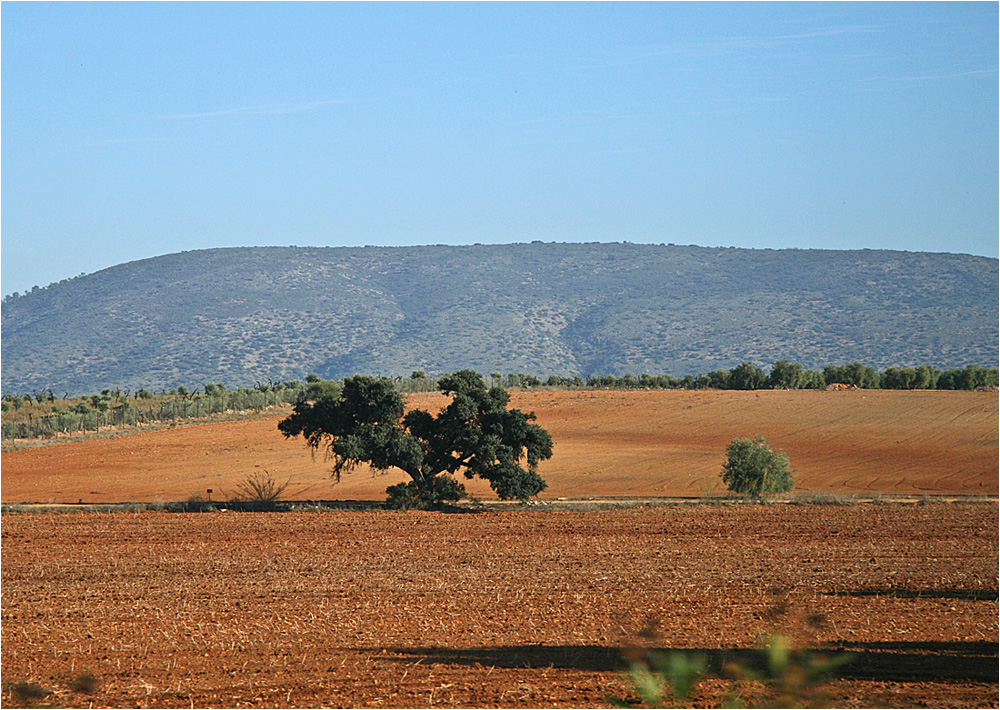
492	609
513	608
656	443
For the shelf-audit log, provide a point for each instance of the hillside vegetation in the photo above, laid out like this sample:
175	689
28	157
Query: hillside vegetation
243	315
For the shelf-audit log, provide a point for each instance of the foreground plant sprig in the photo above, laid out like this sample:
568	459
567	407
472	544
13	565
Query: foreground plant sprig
790	679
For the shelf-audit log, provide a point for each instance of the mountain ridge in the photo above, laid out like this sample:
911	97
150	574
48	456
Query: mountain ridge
242	314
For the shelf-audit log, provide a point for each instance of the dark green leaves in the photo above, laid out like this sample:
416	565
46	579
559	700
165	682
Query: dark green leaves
752	468
475	434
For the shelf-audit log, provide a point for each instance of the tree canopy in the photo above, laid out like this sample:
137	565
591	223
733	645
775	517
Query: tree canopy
475	434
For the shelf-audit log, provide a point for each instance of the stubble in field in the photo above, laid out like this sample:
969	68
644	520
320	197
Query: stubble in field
510	609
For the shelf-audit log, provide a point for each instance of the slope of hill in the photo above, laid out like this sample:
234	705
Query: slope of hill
244	314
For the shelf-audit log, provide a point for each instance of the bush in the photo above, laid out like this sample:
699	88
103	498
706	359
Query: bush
752	468
435	493
259	487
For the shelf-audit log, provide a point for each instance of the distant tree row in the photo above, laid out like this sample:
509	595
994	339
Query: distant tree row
748	376
792	375
745	376
42	414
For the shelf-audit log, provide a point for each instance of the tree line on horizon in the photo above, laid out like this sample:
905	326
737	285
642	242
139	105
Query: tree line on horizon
792	375
42	413
782	375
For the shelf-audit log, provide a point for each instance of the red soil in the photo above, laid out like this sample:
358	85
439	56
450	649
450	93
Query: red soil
655	443
501	609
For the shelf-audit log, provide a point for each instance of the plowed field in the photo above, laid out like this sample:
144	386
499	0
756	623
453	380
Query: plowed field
656	443
500	608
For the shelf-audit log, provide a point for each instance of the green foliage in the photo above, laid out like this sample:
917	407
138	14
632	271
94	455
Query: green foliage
779	673
440	490
667	679
475	434
752	468
83	408
970	377
35	414
909	378
746	376
813	380
786	375
790	678
34	419
717	379
318	388
854	373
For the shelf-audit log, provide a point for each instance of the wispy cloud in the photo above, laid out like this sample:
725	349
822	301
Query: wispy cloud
262	110
932	77
733	45
831	32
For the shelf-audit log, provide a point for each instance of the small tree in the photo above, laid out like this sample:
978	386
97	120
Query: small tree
746	376
785	375
317	388
717	379
752	468
853	373
476	435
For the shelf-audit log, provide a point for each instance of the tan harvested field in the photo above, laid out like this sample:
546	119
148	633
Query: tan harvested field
607	443
491	609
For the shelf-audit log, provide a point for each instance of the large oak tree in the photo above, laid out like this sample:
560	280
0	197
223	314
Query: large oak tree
475	435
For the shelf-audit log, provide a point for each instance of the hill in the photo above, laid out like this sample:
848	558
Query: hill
239	315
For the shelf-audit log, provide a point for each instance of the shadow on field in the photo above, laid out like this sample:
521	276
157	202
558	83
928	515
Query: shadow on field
974	661
586	658
897	661
979	595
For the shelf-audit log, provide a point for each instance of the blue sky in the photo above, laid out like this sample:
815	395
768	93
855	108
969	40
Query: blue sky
131	130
